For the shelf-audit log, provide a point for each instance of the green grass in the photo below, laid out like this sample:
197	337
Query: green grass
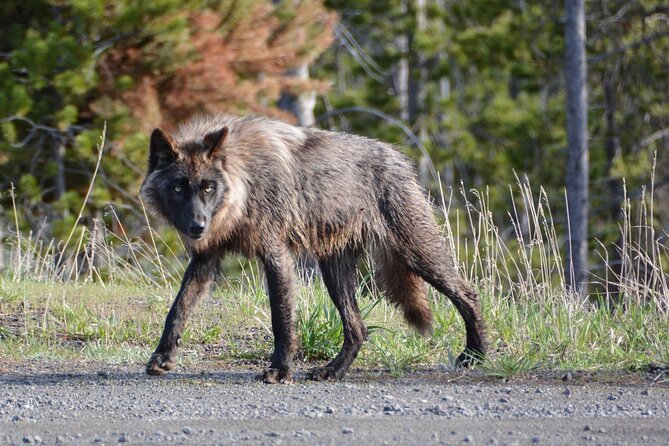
80	322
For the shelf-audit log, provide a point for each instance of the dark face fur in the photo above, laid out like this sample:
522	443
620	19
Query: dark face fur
186	184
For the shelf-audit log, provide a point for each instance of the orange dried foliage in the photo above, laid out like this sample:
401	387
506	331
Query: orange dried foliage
240	69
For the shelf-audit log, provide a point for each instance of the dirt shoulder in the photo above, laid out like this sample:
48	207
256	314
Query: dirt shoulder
210	403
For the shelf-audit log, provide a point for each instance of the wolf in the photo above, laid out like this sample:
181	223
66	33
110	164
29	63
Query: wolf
270	191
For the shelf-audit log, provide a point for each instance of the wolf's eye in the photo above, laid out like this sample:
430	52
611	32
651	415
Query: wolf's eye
208	189
177	188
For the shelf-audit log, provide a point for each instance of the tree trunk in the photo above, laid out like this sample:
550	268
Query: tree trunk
577	146
417	68
402	72
442	137
417	80
301	105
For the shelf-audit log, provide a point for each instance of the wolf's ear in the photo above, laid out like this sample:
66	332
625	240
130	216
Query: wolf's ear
213	142
161	150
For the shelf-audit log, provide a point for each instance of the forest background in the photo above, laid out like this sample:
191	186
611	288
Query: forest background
473	92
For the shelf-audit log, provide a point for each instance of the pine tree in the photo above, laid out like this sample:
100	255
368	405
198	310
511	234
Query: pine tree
134	65
577	170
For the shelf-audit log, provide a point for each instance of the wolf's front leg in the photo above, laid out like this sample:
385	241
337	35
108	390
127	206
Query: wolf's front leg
282	287
196	284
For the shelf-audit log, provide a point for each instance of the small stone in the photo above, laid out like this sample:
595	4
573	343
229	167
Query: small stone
587	428
187	430
37	439
567	376
438	410
28	439
611	397
503	400
567	393
601	430
328	410
392	409
346	430
468	439
122	439
536	440
645	392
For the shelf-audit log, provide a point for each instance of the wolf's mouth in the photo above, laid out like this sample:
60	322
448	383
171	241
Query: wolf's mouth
195	236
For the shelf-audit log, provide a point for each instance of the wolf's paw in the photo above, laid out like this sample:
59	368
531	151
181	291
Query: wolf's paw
272	375
160	363
327	373
469	357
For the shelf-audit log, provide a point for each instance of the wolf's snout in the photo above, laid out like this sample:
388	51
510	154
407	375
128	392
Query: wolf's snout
197	228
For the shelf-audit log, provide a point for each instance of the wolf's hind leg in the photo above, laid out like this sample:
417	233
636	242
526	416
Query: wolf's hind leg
282	287
339	276
196	283
416	238
445	278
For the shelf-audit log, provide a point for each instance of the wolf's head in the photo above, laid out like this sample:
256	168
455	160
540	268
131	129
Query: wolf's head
186	181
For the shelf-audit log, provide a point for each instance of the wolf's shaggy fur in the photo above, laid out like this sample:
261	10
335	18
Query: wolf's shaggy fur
269	191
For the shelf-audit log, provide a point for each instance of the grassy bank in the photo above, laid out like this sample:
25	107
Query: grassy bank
108	302
91	321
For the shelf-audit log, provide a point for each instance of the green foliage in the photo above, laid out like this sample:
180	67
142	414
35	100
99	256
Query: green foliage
48	81
28	184
489	80
70	67
319	327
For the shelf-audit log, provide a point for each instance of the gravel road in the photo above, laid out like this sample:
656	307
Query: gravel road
102	404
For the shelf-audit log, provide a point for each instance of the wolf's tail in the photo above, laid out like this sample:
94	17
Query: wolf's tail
403	288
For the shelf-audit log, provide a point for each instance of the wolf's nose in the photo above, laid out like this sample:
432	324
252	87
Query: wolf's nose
197	228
